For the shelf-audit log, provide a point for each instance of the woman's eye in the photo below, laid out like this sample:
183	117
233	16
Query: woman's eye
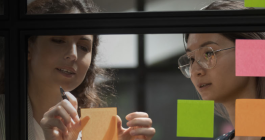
84	48
208	55
59	41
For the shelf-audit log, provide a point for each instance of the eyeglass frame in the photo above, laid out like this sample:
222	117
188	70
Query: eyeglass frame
213	52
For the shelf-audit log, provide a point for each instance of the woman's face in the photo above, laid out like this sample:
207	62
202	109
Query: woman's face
222	84
59	60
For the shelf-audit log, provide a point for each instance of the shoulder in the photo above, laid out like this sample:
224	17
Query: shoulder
226	136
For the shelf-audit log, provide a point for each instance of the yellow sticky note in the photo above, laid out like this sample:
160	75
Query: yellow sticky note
102	124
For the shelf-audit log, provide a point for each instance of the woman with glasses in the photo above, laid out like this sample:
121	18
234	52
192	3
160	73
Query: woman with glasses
210	64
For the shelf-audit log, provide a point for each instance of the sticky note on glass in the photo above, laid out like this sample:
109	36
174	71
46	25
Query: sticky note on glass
250	58
250	117
254	3
102	124
195	118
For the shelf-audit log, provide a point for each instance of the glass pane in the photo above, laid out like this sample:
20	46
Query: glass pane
125	99
117	51
95	6
55	61
111	6
177	5
2	85
160	47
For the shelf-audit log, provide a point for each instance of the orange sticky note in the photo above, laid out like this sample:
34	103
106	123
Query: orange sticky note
250	117
102	124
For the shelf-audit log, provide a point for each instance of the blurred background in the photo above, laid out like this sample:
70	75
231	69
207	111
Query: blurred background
146	68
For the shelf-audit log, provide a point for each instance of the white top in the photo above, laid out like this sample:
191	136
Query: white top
34	129
38	131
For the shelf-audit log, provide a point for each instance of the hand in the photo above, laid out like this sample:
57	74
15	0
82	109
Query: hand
139	125
61	122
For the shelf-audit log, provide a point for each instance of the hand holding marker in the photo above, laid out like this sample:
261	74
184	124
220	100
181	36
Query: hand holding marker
62	121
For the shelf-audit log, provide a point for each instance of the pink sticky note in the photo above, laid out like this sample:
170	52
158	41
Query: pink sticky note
250	57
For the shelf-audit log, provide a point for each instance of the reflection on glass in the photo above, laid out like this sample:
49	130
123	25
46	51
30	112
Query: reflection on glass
111	6
104	6
2	86
61	7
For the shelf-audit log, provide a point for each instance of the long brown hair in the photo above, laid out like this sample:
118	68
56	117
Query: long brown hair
87	93
235	5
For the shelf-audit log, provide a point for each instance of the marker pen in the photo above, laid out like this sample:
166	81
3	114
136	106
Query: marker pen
63	94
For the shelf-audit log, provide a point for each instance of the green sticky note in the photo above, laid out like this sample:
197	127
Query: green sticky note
195	118
254	3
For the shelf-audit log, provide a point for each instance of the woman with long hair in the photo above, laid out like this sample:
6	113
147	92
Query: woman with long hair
69	62
210	64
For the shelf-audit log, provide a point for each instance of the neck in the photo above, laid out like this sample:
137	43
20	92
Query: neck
248	93
42	98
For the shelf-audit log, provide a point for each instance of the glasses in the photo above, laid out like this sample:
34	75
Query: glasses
204	56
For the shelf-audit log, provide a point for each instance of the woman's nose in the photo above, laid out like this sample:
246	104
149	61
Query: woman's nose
197	70
71	52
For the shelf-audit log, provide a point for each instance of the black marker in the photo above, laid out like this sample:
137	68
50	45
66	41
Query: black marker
63	94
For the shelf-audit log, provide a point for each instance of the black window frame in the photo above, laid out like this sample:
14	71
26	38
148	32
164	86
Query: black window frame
16	26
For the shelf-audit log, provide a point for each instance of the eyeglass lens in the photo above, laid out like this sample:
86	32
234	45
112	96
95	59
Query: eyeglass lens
204	56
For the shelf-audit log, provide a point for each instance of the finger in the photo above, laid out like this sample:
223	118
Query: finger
61	112
119	125
136	115
74	134
143	122
72	99
69	108
147	132
119	121
138	137
50	123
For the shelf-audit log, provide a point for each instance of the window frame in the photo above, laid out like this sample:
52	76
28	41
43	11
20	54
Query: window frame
16	26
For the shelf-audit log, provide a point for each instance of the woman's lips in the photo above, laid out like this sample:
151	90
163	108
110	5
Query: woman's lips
68	75
69	69
204	86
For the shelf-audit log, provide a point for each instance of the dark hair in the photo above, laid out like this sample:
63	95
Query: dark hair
235	5
87	93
